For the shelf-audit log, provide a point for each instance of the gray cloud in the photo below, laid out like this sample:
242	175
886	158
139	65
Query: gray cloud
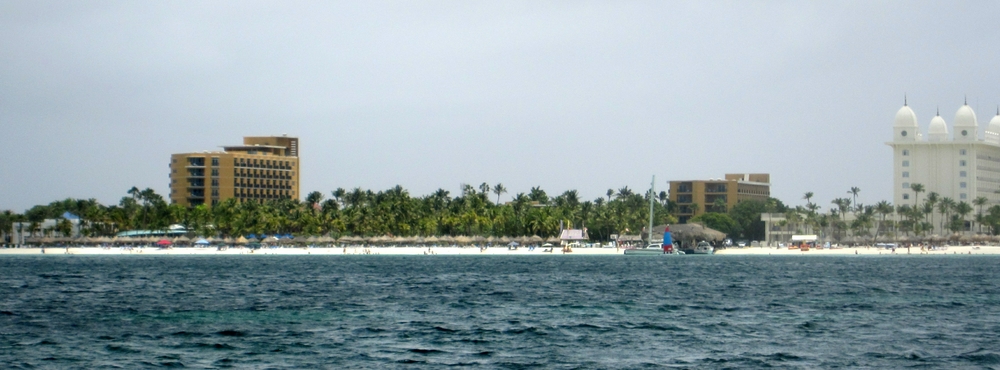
95	96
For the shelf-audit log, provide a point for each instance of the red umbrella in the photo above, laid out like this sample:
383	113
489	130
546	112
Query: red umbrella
163	242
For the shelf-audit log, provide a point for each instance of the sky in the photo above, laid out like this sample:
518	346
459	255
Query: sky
588	95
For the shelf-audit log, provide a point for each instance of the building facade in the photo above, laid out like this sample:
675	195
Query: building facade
961	166
263	168
695	197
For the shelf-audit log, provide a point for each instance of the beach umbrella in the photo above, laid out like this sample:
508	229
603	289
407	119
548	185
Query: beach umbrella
432	240
513	244
536	239
163	242
202	242
553	239
242	240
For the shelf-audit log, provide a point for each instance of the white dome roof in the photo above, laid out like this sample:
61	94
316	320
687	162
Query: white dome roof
965	117
994	125
905	117
938	126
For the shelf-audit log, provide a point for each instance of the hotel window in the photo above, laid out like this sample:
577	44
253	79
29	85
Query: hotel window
906	152
215	172
906	196
215	161
961	174
962	196
906	185
215	182
906	163
906	174
961	151
961	185
961	163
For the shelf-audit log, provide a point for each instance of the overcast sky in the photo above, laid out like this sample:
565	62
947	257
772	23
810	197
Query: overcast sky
95	96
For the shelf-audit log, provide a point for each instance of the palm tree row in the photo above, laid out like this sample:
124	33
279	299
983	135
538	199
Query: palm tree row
885	220
367	213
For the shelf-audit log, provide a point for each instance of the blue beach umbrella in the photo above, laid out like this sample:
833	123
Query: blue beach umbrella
201	241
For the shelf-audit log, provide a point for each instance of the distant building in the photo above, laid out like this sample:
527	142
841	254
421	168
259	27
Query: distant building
695	197
263	168
961	166
20	232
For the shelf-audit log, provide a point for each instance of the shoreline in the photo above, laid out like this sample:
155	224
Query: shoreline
402	251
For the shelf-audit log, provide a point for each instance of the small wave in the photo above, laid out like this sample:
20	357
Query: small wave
411	361
446	330
120	349
781	356
214	346
231	333
981	357
528	330
425	351
190	334
668	308
649	326
6	313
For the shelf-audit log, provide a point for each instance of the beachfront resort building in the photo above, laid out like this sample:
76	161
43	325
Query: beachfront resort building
956	163
694	197
262	168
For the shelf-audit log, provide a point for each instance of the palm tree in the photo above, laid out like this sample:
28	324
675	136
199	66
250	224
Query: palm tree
931	202
339	195
854	192
498	189
842	205
883	208
720	203
962	209
610	193
917	189
808	197
624	192
945	206
980	201
313	198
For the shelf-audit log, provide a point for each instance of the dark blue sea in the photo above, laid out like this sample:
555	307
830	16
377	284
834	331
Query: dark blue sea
499	312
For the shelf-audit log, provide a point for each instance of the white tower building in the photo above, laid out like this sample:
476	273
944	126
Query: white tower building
960	166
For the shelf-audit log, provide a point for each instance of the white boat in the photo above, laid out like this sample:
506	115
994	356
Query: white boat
703	248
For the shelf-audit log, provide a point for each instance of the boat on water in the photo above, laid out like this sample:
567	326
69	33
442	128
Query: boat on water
652	249
703	248
667	247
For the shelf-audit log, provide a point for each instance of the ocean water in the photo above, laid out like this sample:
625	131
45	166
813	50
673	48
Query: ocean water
499	312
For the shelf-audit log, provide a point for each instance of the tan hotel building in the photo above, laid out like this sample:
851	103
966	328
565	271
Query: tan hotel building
263	168
733	189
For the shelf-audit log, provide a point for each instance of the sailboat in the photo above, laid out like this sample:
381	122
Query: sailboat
665	247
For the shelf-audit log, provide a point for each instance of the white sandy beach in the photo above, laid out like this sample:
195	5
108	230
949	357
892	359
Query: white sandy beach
359	250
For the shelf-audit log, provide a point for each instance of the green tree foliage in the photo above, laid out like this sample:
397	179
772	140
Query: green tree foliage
719	221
